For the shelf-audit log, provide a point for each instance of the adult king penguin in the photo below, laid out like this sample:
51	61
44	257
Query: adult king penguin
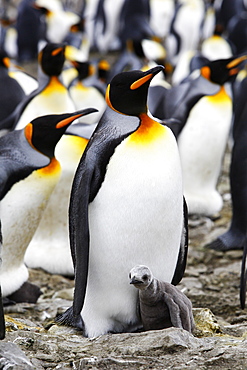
203	140
29	172
126	207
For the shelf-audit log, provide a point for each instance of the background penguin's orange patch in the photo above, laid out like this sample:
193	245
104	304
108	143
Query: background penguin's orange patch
220	97
52	168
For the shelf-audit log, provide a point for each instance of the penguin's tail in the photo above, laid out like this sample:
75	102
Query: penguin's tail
243	277
69	319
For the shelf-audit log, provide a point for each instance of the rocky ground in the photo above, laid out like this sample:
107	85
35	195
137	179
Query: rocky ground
212	283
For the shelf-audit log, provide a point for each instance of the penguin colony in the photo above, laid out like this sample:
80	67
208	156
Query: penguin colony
130	173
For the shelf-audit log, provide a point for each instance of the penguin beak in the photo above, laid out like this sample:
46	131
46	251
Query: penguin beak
74	116
148	75
232	65
135	281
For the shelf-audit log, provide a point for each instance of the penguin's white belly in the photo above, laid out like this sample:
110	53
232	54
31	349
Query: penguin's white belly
201	145
136	218
21	210
49	248
42	104
88	97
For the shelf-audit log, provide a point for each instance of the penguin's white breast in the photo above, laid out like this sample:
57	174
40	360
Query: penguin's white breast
136	215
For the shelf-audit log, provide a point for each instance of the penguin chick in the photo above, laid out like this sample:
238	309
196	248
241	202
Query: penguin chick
161	304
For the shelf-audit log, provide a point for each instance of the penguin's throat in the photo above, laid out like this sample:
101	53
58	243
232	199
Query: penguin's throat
54	85
148	131
220	97
52	168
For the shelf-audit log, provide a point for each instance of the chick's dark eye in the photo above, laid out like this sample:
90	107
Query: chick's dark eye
145	277
130	275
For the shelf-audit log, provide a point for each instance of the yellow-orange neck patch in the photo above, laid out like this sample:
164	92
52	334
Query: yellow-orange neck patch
148	131
52	168
220	97
54	86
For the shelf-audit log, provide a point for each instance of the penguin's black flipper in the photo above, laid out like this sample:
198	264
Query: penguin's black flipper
182	256
180	99
87	182
11	121
2	321
243	277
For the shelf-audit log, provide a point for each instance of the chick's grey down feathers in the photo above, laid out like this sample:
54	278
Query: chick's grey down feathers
162	305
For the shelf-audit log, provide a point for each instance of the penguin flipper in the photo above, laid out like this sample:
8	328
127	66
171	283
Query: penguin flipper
181	99
183	251
11	121
87	181
243	277
2	321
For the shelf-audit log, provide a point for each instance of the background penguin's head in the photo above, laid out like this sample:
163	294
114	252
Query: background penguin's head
43	133
4	59
222	70
52	59
127	92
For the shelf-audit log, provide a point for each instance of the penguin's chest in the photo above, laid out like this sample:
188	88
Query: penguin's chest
208	123
54	99
22	207
139	205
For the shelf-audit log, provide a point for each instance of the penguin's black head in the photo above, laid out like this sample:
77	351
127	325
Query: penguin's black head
43	133
84	69
52	59
222	70
127	92
4	59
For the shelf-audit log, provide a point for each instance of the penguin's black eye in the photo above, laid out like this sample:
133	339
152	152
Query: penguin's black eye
130	275
145	277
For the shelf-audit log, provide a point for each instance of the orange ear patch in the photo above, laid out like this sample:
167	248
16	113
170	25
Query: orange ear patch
29	133
205	72
140	82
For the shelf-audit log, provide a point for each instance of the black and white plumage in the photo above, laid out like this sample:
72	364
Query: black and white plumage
161	304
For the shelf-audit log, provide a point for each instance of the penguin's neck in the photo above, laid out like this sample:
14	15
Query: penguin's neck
55	85
220	96
148	131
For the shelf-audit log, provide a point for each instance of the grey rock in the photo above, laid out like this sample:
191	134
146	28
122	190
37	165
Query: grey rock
12	357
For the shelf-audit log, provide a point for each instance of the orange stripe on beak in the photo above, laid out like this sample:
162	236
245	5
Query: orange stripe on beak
67	121
56	51
236	61
141	81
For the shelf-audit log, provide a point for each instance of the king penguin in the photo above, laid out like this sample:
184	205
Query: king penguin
203	140
29	173
11	91
126	206
235	236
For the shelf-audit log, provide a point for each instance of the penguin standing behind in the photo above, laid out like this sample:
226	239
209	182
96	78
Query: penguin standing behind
86	96
51	96
161	304
11	91
203	140
29	172
235	236
126	207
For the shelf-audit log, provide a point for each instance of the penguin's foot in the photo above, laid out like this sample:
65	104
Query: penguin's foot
225	243
28	292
